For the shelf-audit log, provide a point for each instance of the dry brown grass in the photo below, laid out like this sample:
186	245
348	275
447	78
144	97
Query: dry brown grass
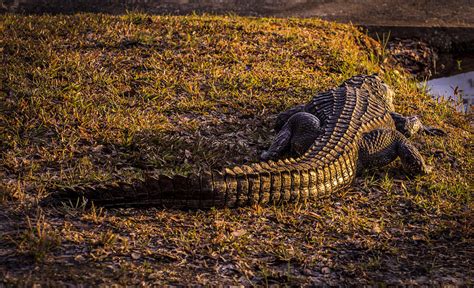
88	98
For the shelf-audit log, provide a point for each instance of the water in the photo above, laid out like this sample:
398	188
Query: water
458	87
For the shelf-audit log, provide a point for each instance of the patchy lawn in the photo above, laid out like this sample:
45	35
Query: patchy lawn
92	98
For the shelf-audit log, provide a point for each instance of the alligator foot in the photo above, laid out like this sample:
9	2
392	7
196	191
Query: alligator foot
381	146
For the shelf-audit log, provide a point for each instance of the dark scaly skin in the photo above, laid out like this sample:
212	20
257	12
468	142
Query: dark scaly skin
305	125
337	133
379	147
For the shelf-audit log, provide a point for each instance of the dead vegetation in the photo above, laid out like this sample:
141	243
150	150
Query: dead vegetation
90	98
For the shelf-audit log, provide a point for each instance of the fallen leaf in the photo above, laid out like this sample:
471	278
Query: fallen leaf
136	256
239	232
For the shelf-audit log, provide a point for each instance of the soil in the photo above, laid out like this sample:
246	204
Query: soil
415	56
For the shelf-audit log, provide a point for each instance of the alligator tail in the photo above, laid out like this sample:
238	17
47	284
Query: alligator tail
272	182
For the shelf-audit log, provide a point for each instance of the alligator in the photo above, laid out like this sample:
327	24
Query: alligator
319	148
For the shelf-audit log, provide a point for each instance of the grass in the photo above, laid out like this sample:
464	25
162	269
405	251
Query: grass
90	98
38	238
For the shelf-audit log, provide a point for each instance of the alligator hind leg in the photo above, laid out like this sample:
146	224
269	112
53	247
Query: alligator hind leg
284	116
305	129
295	137
280	145
382	146
410	125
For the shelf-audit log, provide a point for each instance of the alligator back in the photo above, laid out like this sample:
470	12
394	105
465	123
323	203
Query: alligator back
359	105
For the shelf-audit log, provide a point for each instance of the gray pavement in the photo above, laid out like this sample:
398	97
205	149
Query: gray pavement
427	13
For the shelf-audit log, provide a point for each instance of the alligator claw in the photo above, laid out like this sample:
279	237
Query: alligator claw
434	131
